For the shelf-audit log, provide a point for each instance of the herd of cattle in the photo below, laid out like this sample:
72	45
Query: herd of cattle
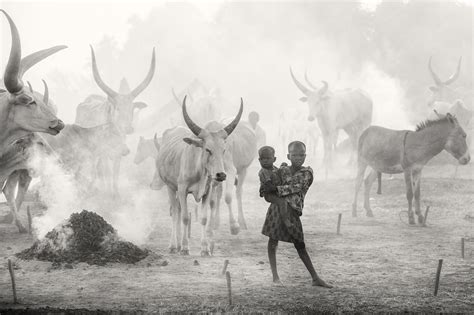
208	160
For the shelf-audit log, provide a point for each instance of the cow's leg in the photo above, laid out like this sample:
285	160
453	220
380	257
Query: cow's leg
229	190
173	247
417	184
206	226
358	182
8	219
238	192
24	181
9	192
215	204
409	187
326	157
115	176
184	216
379	183
369	180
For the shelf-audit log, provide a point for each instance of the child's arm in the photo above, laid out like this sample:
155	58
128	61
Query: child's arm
296	186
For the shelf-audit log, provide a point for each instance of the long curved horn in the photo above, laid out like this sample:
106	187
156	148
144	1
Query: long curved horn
230	127
324	89
46	93
32	59
433	74
191	125
176	98
98	79
300	86
155	141
10	78
455	75
308	82
148	78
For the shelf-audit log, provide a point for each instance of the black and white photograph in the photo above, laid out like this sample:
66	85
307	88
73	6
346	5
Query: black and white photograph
236	156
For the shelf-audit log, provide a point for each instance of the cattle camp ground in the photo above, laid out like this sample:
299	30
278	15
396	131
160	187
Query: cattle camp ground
378	264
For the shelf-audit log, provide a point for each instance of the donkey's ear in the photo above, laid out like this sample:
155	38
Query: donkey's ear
450	118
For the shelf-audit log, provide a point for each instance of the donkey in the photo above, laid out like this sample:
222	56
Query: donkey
403	151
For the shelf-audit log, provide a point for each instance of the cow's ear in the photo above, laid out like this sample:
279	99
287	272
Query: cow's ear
196	142
303	99
324	98
433	88
139	105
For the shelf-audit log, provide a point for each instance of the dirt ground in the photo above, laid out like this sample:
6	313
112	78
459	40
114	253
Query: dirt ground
377	264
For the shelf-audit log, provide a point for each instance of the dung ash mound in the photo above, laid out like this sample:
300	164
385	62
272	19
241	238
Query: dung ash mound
84	237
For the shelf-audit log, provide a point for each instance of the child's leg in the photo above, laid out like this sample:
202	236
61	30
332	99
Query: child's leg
317	281
272	247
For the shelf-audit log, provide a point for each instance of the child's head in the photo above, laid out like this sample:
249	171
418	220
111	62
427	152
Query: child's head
266	156
296	153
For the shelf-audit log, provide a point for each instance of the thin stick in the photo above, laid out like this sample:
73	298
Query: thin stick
229	286
226	262
339	224
28	212
189	225
426	214
438	274
462	247
12	275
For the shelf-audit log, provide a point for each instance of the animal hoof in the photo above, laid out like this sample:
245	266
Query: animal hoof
370	214
184	252
173	250
22	230
234	229
354	214
421	220
205	253
411	221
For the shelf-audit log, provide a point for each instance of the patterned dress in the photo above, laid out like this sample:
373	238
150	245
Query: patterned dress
293	189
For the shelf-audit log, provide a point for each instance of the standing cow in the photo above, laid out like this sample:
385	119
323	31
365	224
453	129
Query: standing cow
190	164
349	110
122	106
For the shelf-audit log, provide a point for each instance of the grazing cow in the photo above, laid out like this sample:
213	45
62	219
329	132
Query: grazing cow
95	108
241	149
444	93
22	113
403	151
188	164
349	110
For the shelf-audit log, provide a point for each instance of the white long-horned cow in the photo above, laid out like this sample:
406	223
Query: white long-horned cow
22	112
188	164
348	109
241	149
122	105
443	92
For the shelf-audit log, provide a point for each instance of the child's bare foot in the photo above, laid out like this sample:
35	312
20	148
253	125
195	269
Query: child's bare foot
320	283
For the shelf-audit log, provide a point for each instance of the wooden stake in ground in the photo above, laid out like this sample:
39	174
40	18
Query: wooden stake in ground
229	286
426	215
28	212
462	248
339	224
438	274
226	262
12	275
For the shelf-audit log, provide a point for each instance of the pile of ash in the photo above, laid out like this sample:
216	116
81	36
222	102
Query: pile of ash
84	237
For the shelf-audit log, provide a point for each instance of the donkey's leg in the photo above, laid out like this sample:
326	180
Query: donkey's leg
358	181
417	184
369	180
409	187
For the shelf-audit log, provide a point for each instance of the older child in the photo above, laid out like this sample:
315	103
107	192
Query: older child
293	189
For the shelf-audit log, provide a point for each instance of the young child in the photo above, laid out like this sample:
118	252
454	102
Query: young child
270	173
293	189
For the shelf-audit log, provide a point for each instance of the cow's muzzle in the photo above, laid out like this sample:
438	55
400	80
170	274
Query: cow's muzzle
220	177
465	159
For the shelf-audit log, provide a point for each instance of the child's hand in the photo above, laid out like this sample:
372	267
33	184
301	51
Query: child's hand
269	187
